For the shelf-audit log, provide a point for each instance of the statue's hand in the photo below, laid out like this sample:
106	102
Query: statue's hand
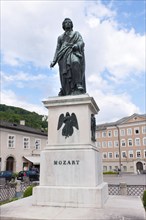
75	47
52	64
68	44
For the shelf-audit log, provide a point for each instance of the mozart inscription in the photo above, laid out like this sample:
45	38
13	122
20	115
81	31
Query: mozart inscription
66	162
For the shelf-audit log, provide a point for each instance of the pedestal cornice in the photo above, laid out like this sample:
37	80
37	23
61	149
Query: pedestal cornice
59	101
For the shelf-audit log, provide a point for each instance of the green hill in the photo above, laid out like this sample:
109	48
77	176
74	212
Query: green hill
15	115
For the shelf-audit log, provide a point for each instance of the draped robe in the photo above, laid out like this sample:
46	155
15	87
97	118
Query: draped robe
66	57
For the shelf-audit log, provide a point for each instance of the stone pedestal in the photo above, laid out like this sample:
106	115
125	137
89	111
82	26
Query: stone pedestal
71	168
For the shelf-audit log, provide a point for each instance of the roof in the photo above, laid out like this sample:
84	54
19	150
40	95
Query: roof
23	128
119	122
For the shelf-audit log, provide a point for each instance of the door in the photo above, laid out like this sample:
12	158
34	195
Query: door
10	164
139	166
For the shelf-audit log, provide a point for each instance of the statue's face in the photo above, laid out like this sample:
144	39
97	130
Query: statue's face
67	24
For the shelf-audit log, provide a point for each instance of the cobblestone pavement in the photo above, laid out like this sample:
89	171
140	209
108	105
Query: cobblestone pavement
130	179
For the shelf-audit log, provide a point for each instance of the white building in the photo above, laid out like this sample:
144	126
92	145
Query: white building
20	146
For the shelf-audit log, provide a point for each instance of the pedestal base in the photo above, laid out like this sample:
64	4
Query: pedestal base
93	197
115	208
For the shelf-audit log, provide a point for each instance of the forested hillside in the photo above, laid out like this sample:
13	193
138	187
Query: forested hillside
15	115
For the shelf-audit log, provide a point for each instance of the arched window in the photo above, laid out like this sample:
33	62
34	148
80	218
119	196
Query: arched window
139	166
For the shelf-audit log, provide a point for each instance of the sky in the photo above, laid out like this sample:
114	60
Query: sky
114	32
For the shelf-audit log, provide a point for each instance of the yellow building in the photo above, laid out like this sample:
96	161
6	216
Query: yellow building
123	144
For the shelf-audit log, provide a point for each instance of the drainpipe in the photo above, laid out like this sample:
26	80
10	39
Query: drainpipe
119	146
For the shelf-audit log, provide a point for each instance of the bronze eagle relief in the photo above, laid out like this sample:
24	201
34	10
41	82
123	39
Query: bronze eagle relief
69	122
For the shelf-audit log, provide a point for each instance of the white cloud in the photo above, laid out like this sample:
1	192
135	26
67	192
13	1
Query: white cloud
99	10
21	76
96	82
93	22
121	52
38	82
30	31
10	98
113	106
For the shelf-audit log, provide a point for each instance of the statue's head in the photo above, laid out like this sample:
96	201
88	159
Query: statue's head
67	20
67	114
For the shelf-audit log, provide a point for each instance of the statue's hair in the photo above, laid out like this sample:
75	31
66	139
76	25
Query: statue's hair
65	21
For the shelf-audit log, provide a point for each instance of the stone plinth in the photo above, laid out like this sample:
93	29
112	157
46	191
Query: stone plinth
84	197
71	167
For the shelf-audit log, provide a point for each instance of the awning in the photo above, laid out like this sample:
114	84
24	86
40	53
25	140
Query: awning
34	159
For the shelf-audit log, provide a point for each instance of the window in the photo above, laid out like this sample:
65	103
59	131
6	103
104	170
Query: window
109	133
26	142
144	129
98	134
136	130
132	168
144	153
37	144
104	168
11	141
116	154
116	143
129	131
130	153
144	141
25	166
124	168
138	154
123	143
115	133
130	142
104	144
110	168
116	167
110	155
137	141
122	132
110	144
104	155
98	144
135	118
104	134
124	154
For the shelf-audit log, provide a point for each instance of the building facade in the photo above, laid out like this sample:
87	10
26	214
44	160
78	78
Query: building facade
123	144
20	146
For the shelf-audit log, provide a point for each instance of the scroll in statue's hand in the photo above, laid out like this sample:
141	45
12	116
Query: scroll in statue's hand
52	64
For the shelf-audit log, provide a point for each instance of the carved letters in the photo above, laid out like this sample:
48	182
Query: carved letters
66	162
